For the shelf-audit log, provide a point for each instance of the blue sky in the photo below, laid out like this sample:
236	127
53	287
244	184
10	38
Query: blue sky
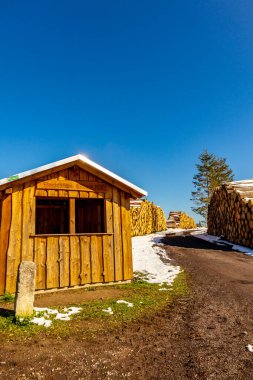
141	87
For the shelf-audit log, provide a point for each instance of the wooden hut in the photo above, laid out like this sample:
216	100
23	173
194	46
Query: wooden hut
72	219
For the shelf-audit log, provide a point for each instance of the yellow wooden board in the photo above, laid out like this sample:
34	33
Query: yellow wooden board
126	238
100	268
129	269
108	258
64	261
28	222
96	270
52	264
14	249
117	237
75	264
40	260
4	239
40	193
85	242
72	216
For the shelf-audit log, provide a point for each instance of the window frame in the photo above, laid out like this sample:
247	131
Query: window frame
72	217
52	199
102	215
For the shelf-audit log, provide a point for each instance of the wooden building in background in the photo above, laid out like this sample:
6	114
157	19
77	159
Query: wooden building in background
72	219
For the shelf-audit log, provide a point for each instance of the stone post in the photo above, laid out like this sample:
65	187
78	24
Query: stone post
25	289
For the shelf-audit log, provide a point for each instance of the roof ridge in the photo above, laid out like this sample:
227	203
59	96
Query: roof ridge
77	157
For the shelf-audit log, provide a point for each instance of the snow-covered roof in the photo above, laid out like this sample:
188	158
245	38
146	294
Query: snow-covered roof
74	159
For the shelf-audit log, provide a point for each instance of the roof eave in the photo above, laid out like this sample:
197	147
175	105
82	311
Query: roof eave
80	160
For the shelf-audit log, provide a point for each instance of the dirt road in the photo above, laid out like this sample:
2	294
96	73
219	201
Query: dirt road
203	336
217	319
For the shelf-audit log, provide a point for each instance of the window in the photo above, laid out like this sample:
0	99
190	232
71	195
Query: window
52	216
90	216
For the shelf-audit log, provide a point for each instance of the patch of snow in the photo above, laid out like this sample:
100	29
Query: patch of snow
108	310
152	260
48	313
62	317
129	304
45	309
47	323
41	321
249	347
72	310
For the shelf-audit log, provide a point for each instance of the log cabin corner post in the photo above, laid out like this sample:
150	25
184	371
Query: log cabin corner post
4	238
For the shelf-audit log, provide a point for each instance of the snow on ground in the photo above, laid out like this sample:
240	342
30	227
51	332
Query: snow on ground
148	258
108	310
249	347
152	260
44	314
219	241
129	304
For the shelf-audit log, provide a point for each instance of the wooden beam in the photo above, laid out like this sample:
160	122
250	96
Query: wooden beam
72	215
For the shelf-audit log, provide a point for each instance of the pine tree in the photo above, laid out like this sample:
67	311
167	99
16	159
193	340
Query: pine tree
212	172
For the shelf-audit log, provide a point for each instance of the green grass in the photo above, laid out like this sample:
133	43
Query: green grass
146	298
7	297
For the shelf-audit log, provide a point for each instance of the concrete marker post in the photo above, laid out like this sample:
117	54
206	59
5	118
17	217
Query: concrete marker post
25	289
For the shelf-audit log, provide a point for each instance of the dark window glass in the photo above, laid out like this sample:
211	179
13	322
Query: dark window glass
89	216
52	216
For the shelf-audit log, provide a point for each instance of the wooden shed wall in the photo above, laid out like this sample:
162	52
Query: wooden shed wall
71	259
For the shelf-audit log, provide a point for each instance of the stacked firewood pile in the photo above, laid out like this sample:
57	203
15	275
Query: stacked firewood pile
179	219
186	222
171	223
147	218
174	216
230	212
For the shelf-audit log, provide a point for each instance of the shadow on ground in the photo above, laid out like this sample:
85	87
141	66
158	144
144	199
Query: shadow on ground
187	241
6	313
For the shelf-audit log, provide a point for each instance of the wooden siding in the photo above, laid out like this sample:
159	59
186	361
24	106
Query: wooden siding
69	259
4	238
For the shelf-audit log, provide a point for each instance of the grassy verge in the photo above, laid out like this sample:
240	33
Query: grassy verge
147	299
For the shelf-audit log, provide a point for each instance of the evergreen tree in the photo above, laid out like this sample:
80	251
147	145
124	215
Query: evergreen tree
212	172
